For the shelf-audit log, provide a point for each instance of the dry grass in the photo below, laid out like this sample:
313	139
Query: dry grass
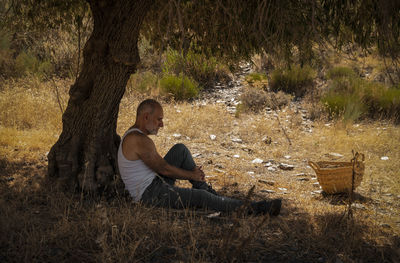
39	224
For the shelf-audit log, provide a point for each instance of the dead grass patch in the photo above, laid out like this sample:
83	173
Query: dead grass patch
39	223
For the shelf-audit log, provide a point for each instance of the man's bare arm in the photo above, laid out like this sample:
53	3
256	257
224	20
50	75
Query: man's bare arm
148	154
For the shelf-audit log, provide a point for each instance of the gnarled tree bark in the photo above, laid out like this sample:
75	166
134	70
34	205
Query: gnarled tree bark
85	154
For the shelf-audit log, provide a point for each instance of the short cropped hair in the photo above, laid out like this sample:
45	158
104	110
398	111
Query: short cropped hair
147	105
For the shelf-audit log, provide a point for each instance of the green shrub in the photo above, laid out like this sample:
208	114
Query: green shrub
180	87
143	82
297	80
341	72
254	77
27	63
7	62
204	70
353	98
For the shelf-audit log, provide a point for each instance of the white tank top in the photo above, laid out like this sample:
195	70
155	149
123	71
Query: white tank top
136	175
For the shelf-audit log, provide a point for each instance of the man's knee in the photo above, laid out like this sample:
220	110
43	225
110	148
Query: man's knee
180	147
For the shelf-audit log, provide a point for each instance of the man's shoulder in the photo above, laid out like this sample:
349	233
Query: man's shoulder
136	137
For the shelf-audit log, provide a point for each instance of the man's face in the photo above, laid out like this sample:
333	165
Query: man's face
155	121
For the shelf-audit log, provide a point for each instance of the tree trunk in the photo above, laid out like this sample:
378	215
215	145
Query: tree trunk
85	154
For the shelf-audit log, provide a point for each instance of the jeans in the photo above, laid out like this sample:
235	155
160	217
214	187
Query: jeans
162	192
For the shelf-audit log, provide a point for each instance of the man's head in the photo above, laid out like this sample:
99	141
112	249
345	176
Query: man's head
150	116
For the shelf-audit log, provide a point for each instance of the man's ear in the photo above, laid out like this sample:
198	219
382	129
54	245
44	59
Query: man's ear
146	116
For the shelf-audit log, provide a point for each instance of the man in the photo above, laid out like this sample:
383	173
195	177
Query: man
149	178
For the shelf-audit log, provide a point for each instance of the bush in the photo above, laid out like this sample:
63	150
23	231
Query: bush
297	80
254	77
204	70
7	62
27	63
353	98
341	72
180	87
255	99
145	82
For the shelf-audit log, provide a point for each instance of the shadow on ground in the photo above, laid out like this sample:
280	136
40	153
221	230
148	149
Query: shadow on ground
41	224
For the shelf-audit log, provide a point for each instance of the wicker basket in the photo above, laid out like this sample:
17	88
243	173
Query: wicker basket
336	177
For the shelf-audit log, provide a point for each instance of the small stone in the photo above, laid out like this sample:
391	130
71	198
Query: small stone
219	170
176	135
286	167
316	192
358	206
196	155
213	137
178	111
250	173
266	182
287	156
236	156
219	166
282	188
303	179
257	160
267	191
213	215
268	164
334	155
272	169
237	140
384	158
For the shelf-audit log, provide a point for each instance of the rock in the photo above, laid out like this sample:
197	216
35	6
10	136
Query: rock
236	156
268	164
358	206
334	155
250	173
219	170
287	156
176	135
196	155
272	169
257	160
316	192
384	158
213	137
213	215
237	140
286	167
266	182
219	166
303	179
267	191
282	188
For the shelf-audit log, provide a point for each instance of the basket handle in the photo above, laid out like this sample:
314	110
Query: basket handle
313	165
358	156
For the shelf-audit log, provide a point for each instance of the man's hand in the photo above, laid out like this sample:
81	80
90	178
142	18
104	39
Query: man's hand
198	174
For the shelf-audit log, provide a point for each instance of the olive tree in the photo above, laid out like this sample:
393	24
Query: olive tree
84	157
